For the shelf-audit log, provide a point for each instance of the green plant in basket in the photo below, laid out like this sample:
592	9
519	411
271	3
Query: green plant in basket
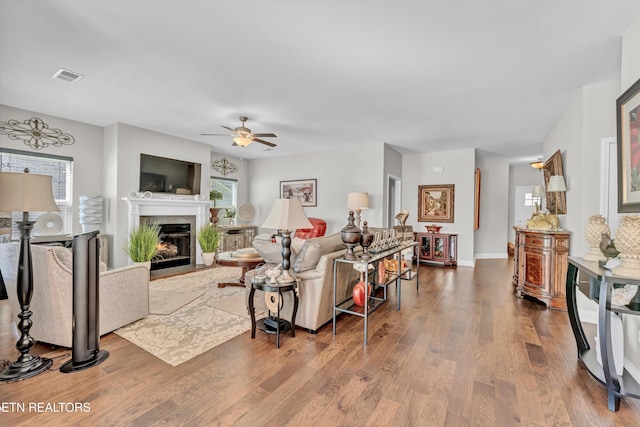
142	244
208	237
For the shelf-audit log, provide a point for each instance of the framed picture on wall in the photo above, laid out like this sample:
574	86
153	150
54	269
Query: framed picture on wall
304	190
628	109
435	203
552	167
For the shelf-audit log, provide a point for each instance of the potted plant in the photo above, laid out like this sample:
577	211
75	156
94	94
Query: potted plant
213	196
230	213
142	244
208	238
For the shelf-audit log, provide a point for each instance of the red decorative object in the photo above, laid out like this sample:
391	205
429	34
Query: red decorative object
382	271
433	228
318	230
358	293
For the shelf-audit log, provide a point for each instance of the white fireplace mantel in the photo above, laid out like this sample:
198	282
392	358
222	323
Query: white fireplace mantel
170	206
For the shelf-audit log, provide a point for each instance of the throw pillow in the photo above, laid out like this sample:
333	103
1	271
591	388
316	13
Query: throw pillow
271	252
313	249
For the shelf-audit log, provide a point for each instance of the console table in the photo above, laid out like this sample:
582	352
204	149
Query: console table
617	386
373	302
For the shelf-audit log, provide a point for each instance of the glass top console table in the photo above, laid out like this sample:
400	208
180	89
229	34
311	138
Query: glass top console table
617	385
373	302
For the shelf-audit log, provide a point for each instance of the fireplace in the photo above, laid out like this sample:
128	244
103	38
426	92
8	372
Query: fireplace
176	210
177	240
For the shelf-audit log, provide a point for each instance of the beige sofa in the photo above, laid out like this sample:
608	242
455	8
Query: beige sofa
124	293
312	264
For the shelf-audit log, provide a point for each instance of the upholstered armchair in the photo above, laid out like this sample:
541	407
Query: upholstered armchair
123	298
318	230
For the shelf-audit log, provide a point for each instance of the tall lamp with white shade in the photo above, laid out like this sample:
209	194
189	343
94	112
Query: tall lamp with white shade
358	202
25	192
538	194
286	215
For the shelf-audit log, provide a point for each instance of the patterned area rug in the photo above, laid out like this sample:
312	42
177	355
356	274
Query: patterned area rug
197	326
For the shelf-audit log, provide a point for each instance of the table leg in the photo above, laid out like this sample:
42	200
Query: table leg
240	282
252	312
293	315
278	319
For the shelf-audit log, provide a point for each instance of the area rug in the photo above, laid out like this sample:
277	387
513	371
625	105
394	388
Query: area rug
166	302
197	326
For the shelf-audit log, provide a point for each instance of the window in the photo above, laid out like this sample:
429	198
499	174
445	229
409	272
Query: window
229	190
529	200
58	167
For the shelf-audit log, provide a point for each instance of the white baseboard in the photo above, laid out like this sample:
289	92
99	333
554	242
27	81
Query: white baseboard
492	255
466	263
632	369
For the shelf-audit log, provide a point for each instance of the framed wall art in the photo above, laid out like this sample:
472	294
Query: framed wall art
435	203
628	109
304	190
553	166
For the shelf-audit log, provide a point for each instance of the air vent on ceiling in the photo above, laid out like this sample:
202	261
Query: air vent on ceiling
66	75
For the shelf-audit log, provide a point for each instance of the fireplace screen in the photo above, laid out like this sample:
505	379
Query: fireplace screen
174	246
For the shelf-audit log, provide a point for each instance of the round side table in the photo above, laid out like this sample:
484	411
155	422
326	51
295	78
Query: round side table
273	325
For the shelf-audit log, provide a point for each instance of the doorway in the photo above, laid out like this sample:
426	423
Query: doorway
394	192
525	205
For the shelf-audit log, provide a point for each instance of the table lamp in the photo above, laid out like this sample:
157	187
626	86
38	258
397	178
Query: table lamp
358	202
25	192
286	215
556	185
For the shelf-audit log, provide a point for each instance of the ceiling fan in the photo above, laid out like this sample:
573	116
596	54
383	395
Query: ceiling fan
243	136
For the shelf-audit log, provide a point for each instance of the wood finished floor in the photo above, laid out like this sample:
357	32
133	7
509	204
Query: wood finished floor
463	351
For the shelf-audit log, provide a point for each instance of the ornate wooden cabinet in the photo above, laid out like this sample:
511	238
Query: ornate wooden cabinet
236	237
540	265
437	248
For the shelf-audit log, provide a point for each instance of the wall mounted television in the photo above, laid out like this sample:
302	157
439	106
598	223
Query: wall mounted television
163	175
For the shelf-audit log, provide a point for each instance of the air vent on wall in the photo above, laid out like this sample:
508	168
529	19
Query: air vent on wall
66	75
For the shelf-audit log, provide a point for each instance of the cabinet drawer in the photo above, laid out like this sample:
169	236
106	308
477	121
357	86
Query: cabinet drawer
537	241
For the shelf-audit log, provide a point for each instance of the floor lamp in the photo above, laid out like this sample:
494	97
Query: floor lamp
25	192
286	215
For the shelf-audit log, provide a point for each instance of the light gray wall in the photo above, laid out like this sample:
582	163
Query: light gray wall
491	238
85	151
337	173
458	168
392	167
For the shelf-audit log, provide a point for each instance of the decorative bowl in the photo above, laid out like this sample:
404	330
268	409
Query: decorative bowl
433	228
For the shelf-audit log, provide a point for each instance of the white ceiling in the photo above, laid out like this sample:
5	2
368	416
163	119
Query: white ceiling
418	75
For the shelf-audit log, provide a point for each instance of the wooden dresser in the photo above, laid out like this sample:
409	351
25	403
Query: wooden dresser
540	265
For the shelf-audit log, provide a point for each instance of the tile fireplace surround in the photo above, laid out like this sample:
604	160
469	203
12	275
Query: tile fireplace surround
183	206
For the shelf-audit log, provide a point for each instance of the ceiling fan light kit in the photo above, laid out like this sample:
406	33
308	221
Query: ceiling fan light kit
242	136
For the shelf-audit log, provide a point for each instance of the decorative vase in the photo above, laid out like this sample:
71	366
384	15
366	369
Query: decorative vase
359	293
366	238
90	213
350	237
214	215
593	233
628	243
208	258
382	272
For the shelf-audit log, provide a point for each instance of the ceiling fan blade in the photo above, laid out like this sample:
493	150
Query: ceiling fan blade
228	128
270	144
265	135
215	134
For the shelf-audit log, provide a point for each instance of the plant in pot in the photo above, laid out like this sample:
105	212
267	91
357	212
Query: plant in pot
213	196
142	243
208	238
229	214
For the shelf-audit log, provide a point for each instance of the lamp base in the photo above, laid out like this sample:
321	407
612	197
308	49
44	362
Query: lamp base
286	277
17	371
72	366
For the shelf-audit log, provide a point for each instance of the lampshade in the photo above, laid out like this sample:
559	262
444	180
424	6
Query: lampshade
358	201
538	191
242	141
287	214
26	192
556	183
